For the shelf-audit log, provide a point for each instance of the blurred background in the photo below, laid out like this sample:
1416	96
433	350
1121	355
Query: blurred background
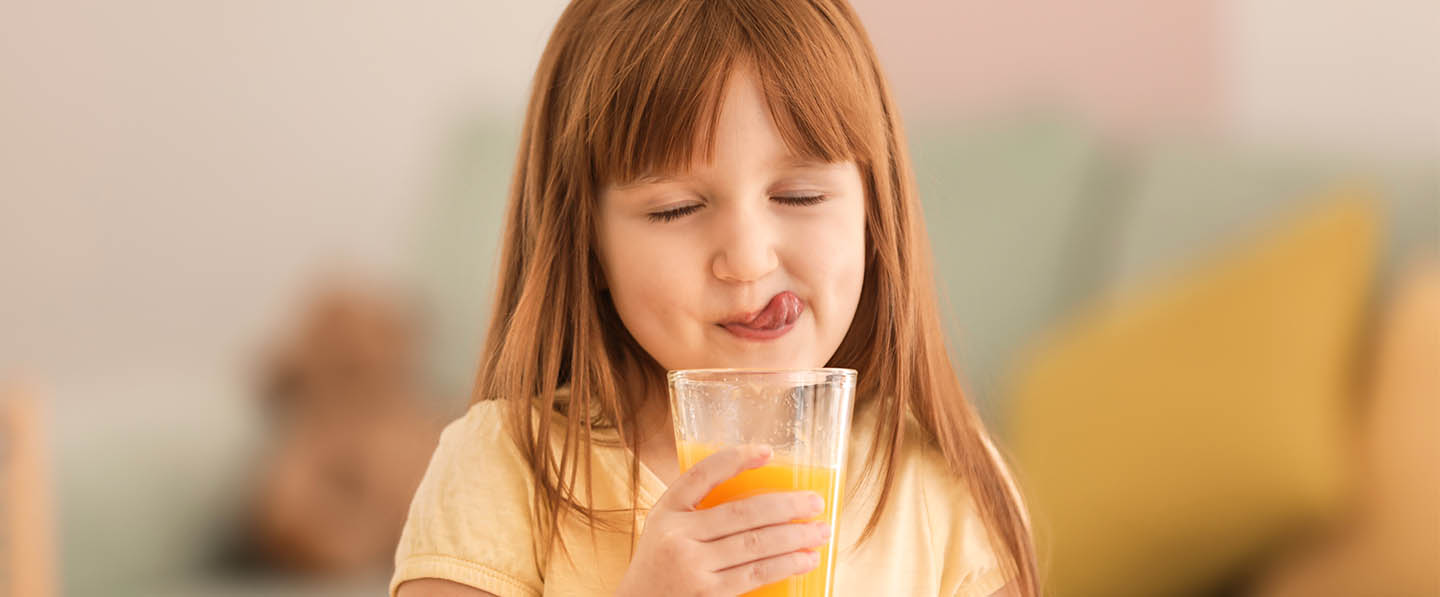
1190	253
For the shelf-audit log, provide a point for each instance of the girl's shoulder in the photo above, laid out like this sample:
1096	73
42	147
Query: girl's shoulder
485	418
483	444
919	454
479	449
472	508
482	433
931	515
487	421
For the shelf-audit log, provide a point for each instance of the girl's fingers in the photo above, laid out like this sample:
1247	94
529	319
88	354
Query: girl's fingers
756	511
694	484
758	544
753	575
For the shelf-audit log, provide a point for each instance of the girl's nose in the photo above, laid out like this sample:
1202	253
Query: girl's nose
747	249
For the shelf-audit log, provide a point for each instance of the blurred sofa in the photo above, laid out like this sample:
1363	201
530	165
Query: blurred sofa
1037	222
1170	338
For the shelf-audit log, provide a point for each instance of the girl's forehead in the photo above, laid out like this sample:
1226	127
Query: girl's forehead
788	163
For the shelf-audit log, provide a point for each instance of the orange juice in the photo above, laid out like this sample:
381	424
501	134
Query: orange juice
778	475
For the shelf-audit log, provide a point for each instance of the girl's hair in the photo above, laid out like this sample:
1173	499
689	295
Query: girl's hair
628	87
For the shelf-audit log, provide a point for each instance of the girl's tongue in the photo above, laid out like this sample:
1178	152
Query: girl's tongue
782	310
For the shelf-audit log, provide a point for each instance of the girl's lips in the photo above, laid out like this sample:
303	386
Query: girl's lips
778	316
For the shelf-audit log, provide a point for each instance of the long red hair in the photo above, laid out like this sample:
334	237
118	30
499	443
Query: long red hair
626	87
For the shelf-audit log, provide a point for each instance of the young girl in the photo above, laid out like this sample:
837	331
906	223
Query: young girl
709	184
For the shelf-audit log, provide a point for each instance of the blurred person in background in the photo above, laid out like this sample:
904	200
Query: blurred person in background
349	434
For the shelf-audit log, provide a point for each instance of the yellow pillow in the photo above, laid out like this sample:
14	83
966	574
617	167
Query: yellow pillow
1178	431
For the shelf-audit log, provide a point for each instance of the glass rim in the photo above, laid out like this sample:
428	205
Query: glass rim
710	374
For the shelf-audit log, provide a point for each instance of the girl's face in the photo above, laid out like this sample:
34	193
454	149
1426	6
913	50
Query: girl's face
754	259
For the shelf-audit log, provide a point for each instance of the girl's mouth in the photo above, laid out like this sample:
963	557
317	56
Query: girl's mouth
773	321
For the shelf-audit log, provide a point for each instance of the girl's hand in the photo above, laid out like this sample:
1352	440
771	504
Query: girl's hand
729	549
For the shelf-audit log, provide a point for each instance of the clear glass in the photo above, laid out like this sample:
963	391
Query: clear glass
802	414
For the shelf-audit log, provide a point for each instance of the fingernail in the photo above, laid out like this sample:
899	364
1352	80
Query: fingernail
814	558
760	453
824	532
817	503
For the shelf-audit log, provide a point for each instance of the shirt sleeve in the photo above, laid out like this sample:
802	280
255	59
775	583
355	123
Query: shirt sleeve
969	564
470	520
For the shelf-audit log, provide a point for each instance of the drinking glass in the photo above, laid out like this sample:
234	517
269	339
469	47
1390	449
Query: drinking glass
802	414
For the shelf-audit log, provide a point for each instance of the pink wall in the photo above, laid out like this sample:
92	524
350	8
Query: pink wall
1131	65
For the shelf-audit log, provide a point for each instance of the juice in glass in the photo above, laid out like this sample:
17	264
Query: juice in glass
780	474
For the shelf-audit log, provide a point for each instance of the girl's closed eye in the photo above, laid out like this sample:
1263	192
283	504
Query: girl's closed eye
670	215
800	200
673	214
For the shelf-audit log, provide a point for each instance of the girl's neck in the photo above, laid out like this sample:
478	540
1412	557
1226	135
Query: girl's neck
656	449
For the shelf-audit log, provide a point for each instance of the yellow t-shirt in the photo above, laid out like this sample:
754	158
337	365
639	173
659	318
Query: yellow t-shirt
470	522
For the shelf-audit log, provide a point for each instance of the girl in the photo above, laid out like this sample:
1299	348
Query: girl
716	183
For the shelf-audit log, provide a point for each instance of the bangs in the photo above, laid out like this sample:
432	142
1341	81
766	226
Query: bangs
653	89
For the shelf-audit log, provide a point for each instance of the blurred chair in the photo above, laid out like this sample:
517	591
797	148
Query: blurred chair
1189	428
1391	544
26	534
